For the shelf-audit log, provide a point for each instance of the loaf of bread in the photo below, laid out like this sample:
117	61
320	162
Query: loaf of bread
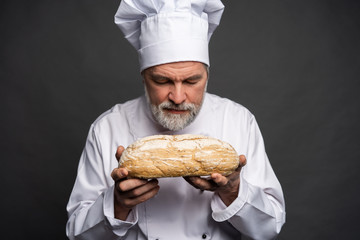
178	155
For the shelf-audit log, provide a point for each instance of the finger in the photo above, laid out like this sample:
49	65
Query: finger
190	181
119	151
131	202
130	184
219	179
201	183
141	190
119	173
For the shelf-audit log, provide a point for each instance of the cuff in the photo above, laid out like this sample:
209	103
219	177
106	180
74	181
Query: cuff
119	227
221	212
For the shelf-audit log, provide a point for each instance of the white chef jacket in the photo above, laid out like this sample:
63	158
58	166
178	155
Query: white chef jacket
178	211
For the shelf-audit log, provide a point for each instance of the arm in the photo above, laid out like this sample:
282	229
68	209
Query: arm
130	192
258	210
91	204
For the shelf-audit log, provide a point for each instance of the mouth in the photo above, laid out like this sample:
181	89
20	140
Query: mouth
175	111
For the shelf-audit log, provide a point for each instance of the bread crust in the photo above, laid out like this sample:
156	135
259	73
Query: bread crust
178	156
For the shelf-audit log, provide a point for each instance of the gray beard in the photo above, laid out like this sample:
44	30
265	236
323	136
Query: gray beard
171	121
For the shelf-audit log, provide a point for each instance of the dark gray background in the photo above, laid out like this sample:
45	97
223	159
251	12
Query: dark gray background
294	64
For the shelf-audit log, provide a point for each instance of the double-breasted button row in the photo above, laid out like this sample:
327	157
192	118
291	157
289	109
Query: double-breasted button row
204	236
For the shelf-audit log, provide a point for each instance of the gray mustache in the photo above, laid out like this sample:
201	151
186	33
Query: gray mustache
182	106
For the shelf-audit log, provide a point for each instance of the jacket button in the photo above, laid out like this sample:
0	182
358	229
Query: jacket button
204	236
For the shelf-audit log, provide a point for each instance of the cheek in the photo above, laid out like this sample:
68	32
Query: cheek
157	95
196	95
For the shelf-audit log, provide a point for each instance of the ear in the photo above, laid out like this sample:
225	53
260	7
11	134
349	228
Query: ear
143	76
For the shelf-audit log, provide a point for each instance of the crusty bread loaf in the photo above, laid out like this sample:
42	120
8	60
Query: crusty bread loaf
178	155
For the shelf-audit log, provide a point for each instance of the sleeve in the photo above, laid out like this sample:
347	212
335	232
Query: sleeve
259	210
90	207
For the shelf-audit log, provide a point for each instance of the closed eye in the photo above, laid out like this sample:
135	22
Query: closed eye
160	79
191	82
193	79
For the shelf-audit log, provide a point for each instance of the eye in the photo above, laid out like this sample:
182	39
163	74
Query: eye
193	79
161	81
191	82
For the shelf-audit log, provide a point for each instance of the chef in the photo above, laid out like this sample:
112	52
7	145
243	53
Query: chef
171	38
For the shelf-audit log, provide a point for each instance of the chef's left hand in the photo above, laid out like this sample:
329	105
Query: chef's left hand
227	187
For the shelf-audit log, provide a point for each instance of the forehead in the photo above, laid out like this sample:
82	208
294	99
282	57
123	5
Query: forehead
177	69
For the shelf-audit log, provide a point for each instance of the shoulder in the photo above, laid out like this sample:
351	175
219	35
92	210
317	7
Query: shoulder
117	110
118	115
226	106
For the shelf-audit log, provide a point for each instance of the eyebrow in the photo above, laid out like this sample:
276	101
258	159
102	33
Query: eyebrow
194	77
159	77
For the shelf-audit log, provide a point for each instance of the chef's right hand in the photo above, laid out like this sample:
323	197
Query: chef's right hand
130	192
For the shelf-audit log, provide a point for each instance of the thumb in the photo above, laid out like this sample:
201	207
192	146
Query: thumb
119	151
119	173
242	160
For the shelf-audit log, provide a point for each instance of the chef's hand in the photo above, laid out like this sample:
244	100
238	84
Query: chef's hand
226	187
130	192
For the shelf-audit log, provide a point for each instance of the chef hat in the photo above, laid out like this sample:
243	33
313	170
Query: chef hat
164	31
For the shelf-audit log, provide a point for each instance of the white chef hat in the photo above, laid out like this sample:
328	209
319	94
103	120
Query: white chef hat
164	31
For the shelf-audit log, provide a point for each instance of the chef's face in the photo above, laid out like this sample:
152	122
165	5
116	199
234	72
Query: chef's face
175	92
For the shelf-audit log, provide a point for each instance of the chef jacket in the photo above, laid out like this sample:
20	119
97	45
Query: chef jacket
178	211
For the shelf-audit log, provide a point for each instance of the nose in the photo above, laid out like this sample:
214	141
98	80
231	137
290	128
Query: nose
177	94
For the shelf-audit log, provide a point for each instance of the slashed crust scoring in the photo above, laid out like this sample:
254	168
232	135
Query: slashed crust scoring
178	155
